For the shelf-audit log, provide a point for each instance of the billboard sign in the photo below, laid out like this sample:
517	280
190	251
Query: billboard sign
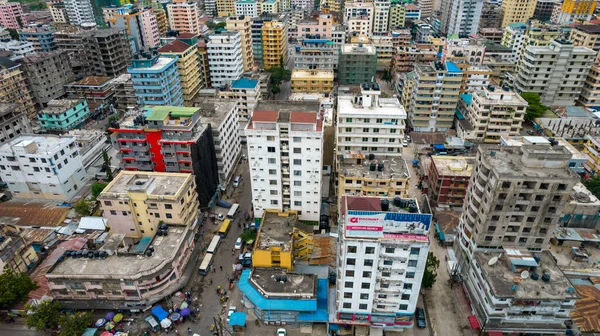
371	224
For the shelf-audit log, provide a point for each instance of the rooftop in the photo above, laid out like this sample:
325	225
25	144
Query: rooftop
358	49
275	282
314	74
244	83
504	276
589	28
6	108
358	203
159	113
92	81
58	106
453	165
125	264
175	46
30	213
151	183
280	111
491	95
276	230
161	63
214	111
44	144
392	168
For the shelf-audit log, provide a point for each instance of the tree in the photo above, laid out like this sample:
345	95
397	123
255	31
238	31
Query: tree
43	316
97	189
430	274
221	25
593	185
248	235
210	24
276	89
106	166
83	207
14	34
14	287
279	74
387	76
74	324
535	108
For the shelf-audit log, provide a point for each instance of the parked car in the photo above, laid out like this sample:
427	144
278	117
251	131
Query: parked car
236	181
530	132
238	244
281	332
221	217
404	143
420	315
223	204
152	322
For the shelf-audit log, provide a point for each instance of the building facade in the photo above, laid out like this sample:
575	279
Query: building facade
13	86
156	80
517	11
225	57
16	254
142	26
586	36
47	73
247	8
590	92
357	64
10	15
573	10
274	37
42	38
80	12
243	24
461	17
246	92
61	115
312	81
448	179
13	122
543	10
187	57
59	12
183	16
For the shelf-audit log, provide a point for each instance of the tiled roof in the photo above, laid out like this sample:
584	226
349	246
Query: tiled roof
174	47
268	116
186	35
34	214
93	80
303	117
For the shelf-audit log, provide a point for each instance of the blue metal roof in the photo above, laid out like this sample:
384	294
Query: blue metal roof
244	83
321	314
518	25
452	67
237	319
160	313
142	245
90	332
273	304
316	41
467	97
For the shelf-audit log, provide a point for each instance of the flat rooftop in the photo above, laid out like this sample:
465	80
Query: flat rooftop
276	230
6	108
151	183
215	111
389	107
124	265
453	165
58	106
367	49
45	144
313	74
161	63
276	282
359	203
502	279
393	168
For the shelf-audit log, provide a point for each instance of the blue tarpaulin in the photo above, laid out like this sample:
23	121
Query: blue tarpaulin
237	319
439	147
160	313
89	332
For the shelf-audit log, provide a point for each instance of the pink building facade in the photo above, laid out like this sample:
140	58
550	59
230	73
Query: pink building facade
150	28
322	27
10	15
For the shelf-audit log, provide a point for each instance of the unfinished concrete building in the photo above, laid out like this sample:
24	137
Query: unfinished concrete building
46	74
13	122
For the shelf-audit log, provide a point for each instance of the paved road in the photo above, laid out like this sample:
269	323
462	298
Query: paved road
286	89
18	329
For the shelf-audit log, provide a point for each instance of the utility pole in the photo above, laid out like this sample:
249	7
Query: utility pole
217	327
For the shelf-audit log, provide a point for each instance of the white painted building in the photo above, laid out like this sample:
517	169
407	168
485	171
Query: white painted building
19	49
514	35
225	57
368	124
380	21
285	149
246	7
79	12
42	167
381	257
358	17
305	5
460	17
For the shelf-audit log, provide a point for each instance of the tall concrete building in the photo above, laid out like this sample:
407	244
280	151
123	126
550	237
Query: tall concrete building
13	122
58	12
573	10
42	37
382	250
517	11
543	9
275	51
183	16
225	8
285	149
10	14
380	21
357	64
491	15
42	167
80	12
434	112
460	17
514	35
142	26
426	7
590	93
187	57
46	74
556	72
156	80
13	86
587	35
362	14
225	57
243	24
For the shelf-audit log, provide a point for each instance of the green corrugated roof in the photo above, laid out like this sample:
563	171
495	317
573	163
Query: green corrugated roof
158	113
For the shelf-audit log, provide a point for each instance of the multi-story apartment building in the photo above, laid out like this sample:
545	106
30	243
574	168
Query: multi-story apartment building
142	26
183	16
247	8
18	49
517	11
540	33
99	92
285	148
270	6
321	26
304	5
243	24
47	73
80	12
381	254
274	37
312	81
426	7
161	20
188	66
590	92
424	32
586	36
592	150
495	246
13	86
10	14
204	64
475	78
359	14
42	167
42	38
412	13
246	92
380	21
490	114
397	15
91	144
16	254
560	64
461	17
448	179
156	80
225	59
59	12
434	97
61	115
543	10
225	8
357	64
491	15
514	35
573	10
316	54
210	8
13	122
493	35
257	34
384	45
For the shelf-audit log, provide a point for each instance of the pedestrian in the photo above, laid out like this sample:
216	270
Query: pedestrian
214	270
232	252
221	268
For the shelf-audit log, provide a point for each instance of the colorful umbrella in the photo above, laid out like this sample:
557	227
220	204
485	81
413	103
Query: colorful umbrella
118	317
185	312
109	316
175	317
100	323
165	323
109	326
183	305
106	333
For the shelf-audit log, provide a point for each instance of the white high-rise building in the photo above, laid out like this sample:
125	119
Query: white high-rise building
514	36
247	8
361	12
380	21
42	167
285	149
460	17
225	57
80	12
381	258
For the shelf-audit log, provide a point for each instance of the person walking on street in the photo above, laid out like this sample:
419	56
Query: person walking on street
221	268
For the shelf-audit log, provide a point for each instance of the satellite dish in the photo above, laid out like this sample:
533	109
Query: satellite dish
493	261
525	274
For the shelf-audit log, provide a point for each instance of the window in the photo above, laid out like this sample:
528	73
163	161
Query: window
297	139
408	286
297	183
348	295
365	285
351	261
297	150
272	182
271	160
388	262
351	249
297	203
297	172
348	284
157	215
113	212
349	273
364	296
270	138
362	306
379	121
365	130
403	307
369	250
415	251
107	203
410	275
405	297
271	149
368	262
366	274
272	171
412	263
124	213
348	120
347	305
274	202
390	250
297	162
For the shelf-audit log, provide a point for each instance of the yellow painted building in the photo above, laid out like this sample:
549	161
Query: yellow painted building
592	150
397	15
274	38
16	254
136	203
13	88
574	10
274	246
189	67
312	81
203	60
225	8
332	6
540	34
590	93
517	11
243	24
270	6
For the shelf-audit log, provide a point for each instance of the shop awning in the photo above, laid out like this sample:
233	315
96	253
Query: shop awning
237	319
474	322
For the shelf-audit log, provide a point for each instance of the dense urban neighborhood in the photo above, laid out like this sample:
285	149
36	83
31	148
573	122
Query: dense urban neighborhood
300	167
